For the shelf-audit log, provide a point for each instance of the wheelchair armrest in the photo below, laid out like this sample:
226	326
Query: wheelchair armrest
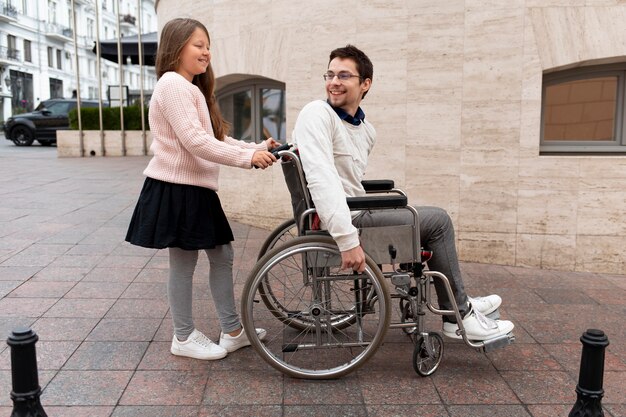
378	202
377	185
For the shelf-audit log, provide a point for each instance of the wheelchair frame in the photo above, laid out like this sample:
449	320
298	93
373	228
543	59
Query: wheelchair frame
325	323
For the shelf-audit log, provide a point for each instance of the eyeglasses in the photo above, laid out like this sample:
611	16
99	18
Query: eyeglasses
343	76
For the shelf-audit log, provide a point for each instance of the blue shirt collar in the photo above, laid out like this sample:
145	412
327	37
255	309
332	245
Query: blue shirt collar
353	120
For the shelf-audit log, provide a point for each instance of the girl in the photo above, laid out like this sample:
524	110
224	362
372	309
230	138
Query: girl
178	207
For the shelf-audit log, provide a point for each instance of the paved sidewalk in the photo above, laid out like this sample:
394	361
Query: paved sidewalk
99	307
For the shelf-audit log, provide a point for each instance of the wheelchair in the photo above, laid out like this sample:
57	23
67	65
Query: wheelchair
323	322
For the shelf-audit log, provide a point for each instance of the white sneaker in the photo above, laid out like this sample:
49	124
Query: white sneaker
479	328
485	305
197	346
232	343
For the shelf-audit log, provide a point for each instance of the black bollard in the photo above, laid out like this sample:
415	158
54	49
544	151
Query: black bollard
589	388
26	389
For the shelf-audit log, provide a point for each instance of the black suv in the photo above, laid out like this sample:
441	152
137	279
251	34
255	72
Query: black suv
42	123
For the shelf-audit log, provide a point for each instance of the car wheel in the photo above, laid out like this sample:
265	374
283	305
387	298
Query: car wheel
22	136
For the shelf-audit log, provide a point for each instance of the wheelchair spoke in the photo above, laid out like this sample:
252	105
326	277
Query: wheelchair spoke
321	322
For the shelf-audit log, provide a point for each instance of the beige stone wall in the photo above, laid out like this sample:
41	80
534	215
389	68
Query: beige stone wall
456	101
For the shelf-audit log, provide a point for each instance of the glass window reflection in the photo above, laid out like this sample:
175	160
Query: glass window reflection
255	108
237	109
273	113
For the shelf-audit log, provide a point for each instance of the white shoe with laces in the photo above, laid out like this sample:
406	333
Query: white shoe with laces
197	346
485	305
479	328
232	343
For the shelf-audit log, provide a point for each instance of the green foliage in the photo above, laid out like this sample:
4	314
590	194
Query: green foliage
110	118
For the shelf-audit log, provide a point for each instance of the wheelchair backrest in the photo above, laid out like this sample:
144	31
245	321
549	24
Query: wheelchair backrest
296	184
376	241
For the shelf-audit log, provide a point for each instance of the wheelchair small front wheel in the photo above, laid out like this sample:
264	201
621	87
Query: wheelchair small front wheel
427	353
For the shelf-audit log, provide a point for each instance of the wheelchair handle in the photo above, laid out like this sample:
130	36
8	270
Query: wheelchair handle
283	147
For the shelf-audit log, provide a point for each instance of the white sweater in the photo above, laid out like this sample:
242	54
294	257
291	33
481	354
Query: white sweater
334	157
184	147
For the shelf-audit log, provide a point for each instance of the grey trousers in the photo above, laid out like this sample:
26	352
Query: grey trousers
436	235
180	288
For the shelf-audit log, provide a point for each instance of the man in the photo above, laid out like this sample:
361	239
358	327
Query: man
334	141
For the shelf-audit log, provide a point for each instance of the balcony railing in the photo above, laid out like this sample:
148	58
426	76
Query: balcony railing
7	9
9	54
127	18
58	31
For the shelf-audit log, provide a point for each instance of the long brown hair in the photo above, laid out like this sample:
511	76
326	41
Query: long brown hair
174	36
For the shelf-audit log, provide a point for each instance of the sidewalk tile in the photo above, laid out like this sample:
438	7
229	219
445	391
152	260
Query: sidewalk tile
114	356
542	387
124	330
243	388
469	387
55	328
86	388
166	388
80	308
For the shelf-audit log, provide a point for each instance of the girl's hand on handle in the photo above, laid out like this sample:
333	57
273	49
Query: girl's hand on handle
271	144
263	159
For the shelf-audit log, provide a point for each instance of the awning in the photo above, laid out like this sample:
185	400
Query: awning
130	48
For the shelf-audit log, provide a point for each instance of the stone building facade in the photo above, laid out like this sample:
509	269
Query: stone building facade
457	103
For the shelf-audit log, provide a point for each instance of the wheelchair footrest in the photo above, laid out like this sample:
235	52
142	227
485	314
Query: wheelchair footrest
498	342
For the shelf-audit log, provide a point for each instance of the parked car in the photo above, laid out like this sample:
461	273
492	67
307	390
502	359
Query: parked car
42	123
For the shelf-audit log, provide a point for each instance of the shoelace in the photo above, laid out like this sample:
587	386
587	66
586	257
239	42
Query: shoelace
202	340
484	321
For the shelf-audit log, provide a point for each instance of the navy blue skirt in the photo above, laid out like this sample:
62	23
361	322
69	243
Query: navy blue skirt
178	216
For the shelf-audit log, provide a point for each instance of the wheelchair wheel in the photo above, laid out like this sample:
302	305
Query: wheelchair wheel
427	353
331	321
274	303
286	231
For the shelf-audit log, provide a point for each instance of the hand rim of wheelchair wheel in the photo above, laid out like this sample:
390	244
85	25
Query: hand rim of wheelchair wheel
427	358
375	291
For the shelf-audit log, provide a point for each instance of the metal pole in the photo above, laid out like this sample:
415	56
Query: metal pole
121	72
25	379
141	102
589	388
80	121
99	70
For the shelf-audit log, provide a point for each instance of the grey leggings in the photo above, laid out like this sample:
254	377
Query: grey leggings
437	235
180	288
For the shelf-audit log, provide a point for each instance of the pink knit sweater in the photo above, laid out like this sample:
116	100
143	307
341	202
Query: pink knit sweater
185	150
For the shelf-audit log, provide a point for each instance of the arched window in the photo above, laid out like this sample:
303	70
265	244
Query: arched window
583	110
255	107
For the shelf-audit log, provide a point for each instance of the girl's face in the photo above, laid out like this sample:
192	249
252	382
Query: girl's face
195	55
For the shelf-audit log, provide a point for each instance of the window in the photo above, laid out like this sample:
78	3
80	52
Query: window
50	57
27	51
60	108
255	108
59	59
90	28
12	52
22	89
52	12
56	88
583	110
